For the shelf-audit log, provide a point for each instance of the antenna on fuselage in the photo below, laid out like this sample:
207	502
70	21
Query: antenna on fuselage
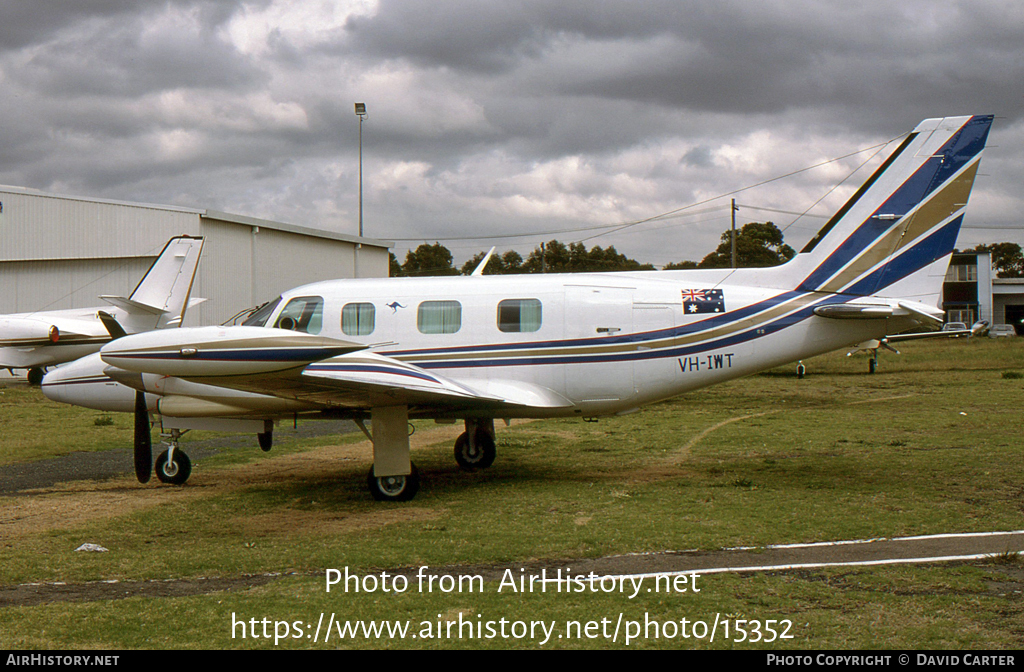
479	270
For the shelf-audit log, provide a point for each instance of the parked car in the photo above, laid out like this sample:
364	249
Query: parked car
1002	331
955	326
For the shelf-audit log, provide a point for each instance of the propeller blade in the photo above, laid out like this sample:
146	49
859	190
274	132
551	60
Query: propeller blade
143	440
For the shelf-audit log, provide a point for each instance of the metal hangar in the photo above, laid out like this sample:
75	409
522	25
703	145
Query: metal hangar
64	251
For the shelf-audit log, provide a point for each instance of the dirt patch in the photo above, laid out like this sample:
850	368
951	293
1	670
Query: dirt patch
69	505
286	522
31	594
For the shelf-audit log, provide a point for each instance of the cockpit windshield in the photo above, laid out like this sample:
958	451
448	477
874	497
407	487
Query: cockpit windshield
303	313
262	314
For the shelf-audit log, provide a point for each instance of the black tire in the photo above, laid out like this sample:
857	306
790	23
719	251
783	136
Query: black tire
394	488
35	376
175	473
266	441
480	456
871	366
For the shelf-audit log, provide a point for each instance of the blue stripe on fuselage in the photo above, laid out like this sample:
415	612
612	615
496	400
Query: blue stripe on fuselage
755	331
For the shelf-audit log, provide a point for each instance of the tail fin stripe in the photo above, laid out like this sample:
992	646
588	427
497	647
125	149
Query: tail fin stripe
856	197
910	261
939	167
908	231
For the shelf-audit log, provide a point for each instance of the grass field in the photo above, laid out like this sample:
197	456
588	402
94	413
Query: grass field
929	444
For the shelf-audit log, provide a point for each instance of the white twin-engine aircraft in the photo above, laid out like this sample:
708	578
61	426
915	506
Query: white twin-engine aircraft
38	340
532	346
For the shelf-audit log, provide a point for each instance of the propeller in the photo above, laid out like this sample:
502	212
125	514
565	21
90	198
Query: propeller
143	440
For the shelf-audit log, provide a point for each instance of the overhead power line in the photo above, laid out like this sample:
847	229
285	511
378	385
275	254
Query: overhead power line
683	211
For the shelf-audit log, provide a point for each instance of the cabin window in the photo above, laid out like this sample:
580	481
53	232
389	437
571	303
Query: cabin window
357	319
303	313
519	315
439	317
262	314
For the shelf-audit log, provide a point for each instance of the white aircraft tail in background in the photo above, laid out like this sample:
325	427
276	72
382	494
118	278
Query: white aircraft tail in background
482	348
42	339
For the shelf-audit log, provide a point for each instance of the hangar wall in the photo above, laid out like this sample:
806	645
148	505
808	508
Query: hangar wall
63	252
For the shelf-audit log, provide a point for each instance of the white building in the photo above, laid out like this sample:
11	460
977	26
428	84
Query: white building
972	292
63	252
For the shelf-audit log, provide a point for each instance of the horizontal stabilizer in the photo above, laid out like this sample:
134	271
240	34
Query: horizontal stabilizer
919	312
854	311
925	314
132	306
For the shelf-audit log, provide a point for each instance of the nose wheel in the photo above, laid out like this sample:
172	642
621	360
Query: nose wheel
173	466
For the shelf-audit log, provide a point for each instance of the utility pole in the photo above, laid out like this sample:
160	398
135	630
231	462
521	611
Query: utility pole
733	233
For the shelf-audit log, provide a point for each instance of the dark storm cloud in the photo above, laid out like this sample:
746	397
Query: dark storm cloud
492	37
515	115
26	23
132	57
735	57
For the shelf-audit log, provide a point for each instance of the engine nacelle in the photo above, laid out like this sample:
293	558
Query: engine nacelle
84	382
198	352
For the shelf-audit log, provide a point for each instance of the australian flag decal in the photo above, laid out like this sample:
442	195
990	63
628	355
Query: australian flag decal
703	301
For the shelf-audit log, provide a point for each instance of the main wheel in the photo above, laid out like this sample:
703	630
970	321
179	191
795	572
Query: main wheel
394	488
176	472
479	456
35	376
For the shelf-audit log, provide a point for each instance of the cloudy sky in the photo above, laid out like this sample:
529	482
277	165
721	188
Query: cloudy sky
537	118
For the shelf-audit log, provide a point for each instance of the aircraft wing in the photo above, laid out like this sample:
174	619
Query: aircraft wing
362	379
322	372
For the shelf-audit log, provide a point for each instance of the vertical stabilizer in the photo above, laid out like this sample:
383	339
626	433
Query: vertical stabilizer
899	227
162	296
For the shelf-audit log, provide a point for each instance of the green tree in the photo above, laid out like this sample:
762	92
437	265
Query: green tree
1007	259
680	265
758	244
552	257
426	260
556	257
500	264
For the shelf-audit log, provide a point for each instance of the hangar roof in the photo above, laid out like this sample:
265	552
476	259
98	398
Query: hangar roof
243	220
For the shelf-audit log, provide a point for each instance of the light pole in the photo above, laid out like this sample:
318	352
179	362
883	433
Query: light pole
361	113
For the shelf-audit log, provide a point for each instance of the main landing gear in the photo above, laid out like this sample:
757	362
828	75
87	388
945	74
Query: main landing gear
475	447
394	488
35	376
393	477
